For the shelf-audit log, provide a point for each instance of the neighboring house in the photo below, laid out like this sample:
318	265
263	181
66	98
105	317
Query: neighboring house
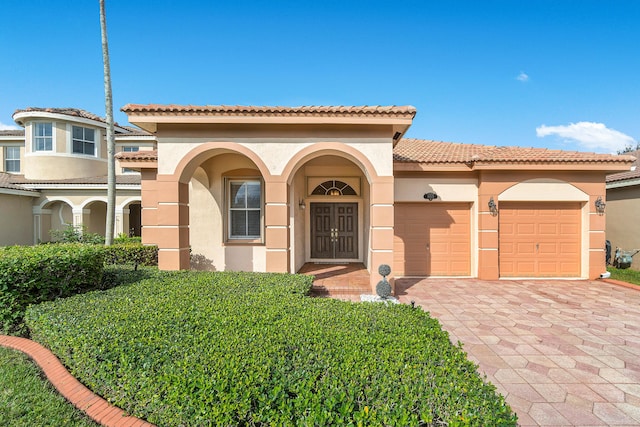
272	188
54	173
623	210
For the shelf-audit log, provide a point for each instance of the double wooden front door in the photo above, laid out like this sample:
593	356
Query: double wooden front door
334	230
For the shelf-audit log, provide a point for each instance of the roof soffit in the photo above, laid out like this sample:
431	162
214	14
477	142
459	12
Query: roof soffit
149	117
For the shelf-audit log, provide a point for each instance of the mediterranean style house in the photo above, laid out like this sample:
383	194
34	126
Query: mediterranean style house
272	188
54	173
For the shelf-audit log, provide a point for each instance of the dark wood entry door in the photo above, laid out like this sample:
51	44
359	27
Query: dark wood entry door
334	230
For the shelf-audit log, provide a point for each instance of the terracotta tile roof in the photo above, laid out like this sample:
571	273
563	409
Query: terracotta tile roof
623	176
12	132
126	179
140	156
73	112
6	181
239	110
135	131
425	151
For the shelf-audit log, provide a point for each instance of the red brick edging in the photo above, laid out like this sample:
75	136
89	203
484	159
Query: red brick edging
621	283
73	390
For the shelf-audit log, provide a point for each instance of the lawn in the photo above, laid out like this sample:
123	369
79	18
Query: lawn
27	399
625	274
187	348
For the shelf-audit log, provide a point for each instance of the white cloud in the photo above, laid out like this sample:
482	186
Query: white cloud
523	77
589	135
7	127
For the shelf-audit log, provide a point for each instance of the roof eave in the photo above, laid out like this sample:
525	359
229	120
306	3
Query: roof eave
137	165
478	165
150	122
20	118
623	183
17	192
399	166
607	167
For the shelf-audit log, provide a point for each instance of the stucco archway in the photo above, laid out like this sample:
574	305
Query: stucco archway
194	214
372	206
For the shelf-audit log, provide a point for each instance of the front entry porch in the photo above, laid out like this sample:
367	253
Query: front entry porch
342	281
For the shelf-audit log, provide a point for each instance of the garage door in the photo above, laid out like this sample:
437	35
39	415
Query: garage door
432	239
539	239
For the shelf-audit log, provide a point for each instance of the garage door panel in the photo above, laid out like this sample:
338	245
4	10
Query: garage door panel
569	229
547	241
548	249
524	267
525	229
548	229
438	241
525	248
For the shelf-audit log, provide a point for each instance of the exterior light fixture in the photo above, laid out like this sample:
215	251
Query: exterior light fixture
430	196
600	205
493	208
301	204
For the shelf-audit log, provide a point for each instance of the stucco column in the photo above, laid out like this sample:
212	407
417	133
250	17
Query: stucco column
119	225
37	228
149	204
276	220
381	230
79	217
172	230
488	266
597	237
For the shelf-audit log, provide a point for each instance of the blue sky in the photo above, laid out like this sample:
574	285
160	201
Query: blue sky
546	73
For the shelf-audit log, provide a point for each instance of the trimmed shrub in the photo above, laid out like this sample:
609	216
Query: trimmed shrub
192	349
32	274
131	253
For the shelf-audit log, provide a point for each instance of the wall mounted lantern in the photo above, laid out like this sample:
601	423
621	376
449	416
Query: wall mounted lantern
493	208
600	205
430	196
301	204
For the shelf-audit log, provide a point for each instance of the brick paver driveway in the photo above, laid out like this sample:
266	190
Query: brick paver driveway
562	352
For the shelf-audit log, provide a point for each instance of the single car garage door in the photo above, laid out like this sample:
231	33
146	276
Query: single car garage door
432	239
539	239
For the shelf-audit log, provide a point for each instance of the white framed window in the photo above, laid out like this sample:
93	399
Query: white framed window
129	149
83	140
244	209
43	136
12	159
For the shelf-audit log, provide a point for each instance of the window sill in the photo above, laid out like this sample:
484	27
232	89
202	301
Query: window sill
244	242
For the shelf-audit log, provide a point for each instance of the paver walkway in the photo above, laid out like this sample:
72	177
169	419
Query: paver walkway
564	353
75	392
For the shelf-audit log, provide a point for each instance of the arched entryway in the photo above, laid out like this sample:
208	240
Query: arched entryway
213	209
94	216
51	219
341	210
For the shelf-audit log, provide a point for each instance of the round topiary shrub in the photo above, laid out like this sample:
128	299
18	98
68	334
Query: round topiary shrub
384	270
383	288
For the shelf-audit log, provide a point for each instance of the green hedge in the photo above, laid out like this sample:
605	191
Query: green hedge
193	349
131	253
32	274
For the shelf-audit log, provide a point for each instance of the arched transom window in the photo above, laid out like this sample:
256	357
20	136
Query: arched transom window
334	188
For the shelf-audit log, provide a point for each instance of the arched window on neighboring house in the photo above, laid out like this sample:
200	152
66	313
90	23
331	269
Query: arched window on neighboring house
334	188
